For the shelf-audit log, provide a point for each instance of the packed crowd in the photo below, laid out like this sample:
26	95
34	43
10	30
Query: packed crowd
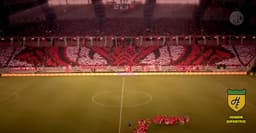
173	55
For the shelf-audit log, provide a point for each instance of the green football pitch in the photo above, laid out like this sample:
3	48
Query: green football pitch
105	104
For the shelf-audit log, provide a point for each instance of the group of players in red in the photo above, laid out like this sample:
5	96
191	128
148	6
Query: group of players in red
143	125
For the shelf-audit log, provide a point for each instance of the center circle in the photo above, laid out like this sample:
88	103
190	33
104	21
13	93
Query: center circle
130	98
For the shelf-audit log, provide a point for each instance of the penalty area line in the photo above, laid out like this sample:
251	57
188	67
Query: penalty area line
121	105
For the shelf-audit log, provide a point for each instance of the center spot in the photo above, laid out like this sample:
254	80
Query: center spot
130	98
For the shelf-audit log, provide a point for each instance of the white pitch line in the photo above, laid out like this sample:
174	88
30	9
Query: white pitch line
121	106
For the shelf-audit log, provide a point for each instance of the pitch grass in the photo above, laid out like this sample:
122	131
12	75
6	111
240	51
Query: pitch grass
65	105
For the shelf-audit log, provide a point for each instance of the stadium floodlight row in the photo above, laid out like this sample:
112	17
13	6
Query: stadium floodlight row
153	37
138	40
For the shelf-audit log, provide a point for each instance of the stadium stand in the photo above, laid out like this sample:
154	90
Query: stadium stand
165	57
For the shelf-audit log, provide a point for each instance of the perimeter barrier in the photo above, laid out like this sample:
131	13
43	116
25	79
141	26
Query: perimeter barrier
123	74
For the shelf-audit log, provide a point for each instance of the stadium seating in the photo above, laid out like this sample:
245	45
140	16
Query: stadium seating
5	55
244	55
185	56
112	26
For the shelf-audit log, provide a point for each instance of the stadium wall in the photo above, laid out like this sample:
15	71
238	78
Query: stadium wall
122	69
125	74
110	71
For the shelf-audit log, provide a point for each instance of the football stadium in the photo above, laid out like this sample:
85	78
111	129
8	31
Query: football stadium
127	66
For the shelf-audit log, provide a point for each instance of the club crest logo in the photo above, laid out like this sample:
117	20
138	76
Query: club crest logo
236	99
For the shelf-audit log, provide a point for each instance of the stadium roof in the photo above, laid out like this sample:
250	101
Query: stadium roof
168	16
